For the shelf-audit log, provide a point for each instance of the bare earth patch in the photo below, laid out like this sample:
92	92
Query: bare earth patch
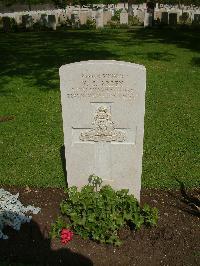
175	240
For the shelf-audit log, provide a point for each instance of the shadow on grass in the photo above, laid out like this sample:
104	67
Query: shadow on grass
37	56
183	38
29	246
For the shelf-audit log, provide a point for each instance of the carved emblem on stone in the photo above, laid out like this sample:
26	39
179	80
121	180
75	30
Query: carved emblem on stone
103	128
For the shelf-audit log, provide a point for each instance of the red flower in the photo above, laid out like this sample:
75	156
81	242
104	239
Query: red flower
66	236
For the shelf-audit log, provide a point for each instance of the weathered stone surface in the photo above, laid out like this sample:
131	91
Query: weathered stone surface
103	105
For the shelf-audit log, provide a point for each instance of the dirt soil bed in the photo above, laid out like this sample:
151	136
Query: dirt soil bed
175	241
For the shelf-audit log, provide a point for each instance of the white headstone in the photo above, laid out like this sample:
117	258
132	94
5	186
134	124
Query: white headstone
1	22
124	17
107	15
99	19
83	16
103	105
140	15
148	19
63	18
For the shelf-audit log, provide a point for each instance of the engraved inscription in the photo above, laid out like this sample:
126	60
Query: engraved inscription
103	128
102	85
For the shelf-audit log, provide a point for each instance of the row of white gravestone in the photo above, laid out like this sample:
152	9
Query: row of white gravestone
161	16
28	21
76	18
103	105
79	17
171	18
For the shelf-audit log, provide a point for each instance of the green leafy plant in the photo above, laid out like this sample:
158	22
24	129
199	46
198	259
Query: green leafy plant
134	21
116	16
99	215
184	18
95	181
113	24
90	24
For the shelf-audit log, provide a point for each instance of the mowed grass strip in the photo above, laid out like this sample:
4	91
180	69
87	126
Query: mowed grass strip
30	142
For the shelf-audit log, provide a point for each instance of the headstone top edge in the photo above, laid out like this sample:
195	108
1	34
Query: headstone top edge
98	62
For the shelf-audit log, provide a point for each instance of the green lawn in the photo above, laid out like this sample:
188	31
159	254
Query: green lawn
29	89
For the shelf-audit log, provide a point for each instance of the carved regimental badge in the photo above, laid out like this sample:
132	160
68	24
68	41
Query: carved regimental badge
103	128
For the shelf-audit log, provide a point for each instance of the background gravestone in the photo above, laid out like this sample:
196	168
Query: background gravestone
107	15
99	19
103	120
63	18
44	20
83	16
52	22
140	15
148	19
7	24
75	21
18	19
124	17
164	18
196	19
172	19
27	21
1	22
